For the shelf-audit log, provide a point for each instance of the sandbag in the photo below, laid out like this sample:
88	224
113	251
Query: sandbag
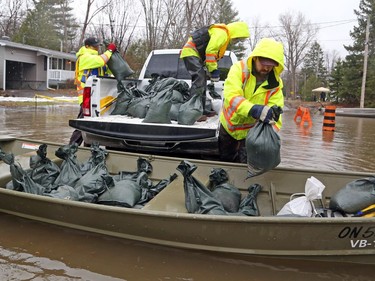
160	107
21	180
249	205
29	186
119	67
177	97
303	205
98	155
226	193
198	198
122	100
15	170
190	111
138	107
70	171
229	196
355	196
151	191
124	193
173	112
93	181
64	192
43	170
262	148
177	100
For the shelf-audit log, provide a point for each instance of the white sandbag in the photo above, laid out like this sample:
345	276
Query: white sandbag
302	206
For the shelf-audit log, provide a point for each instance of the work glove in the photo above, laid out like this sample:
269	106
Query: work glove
261	112
215	75
277	111
111	47
265	113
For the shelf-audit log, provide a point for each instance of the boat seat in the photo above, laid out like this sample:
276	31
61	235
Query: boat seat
170	199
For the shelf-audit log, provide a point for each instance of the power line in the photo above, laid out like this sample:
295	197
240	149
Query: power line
332	23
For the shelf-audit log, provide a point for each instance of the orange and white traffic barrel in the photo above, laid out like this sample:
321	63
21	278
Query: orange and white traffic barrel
329	118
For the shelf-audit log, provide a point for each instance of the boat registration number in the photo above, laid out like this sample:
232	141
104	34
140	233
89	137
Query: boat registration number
360	237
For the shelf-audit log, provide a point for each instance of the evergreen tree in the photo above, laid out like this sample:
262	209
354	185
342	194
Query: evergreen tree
336	80
313	72
353	65
66	24
307	86
314	64
39	28
48	24
224	12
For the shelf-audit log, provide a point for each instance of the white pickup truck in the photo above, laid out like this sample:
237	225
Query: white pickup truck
121	132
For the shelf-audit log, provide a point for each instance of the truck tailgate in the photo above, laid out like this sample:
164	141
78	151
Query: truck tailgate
128	128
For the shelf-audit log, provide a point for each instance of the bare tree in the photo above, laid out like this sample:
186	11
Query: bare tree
197	14
173	34
153	12
89	16
11	15
257	32
331	59
119	23
297	34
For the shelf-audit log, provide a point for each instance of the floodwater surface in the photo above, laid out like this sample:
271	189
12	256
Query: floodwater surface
36	251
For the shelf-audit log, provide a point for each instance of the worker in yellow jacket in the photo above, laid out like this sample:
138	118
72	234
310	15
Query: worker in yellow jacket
251	91
204	48
89	63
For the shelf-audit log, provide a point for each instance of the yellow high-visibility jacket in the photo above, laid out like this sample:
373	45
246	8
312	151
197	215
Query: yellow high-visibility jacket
88	63
220	36
239	94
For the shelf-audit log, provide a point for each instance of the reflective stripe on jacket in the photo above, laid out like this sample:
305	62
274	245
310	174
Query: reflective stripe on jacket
239	94
220	36
88	63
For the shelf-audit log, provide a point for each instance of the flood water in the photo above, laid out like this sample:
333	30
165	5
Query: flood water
36	251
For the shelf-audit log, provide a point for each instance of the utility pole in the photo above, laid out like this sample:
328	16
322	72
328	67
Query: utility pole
362	101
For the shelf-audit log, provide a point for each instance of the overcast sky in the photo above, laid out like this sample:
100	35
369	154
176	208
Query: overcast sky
332	16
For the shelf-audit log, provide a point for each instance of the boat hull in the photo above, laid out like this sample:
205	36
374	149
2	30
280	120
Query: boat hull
164	221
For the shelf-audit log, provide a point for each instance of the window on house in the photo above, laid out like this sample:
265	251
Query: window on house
68	65
54	63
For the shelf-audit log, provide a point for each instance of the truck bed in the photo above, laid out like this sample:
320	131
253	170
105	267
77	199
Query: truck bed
131	134
199	140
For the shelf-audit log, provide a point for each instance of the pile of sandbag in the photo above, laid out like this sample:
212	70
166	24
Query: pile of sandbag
357	198
219	197
89	181
162	101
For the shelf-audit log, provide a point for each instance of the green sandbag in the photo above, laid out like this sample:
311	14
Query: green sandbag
124	193
263	149
226	193
160	107
354	197
119	67
190	111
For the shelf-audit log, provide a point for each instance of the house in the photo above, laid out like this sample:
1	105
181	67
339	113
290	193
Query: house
28	67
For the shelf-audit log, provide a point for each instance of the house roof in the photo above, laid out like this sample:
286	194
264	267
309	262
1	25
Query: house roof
39	50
